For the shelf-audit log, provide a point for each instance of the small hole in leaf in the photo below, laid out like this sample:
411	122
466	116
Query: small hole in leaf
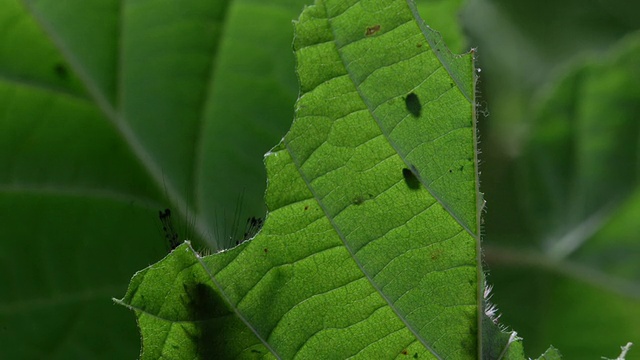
413	104
411	179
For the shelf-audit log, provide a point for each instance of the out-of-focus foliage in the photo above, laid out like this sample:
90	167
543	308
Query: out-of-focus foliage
561	84
86	86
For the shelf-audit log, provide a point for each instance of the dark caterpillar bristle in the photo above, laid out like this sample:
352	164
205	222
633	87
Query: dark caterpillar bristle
170	233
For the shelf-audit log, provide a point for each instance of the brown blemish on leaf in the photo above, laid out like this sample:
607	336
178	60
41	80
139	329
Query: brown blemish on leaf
418	45
372	30
405	352
306	207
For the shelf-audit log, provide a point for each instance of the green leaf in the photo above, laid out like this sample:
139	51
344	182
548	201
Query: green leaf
371	244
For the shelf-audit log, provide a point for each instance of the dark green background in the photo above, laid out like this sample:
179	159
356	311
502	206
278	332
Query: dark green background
111	111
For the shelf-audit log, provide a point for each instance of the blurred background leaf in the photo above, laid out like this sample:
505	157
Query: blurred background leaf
111	111
560	82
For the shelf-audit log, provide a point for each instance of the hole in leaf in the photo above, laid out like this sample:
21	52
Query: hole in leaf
411	179
413	104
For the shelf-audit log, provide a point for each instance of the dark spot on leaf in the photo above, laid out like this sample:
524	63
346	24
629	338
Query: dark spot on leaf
306	207
411	179
61	71
415	356
450	171
405	352
371	30
266	250
255	351
413	104
461	167
451	84
418	45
